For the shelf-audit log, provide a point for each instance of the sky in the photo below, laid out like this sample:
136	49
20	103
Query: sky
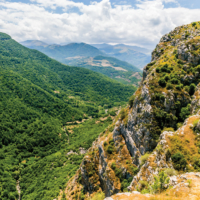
133	22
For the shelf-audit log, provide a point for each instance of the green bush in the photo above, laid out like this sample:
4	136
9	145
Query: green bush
179	87
131	100
194	24
110	149
159	184
167	77
178	125
98	196
179	161
122	114
112	113
197	68
125	183
168	129
162	82
164	68
169	86
105	144
174	81
113	165
144	158
187	88
192	89
170	172
158	70
111	142
185	112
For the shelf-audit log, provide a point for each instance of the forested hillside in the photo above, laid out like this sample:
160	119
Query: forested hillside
39	97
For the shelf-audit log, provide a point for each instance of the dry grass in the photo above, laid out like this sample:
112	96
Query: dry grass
180	193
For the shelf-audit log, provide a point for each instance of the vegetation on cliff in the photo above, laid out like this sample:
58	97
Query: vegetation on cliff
39	99
156	128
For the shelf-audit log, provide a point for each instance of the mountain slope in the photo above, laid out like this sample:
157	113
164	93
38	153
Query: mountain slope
87	56
67	54
134	55
39	98
157	135
113	68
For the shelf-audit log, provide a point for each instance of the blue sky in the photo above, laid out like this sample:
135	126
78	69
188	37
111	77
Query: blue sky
184	3
134	22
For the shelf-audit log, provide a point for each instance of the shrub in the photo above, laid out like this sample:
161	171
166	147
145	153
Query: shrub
179	87
195	122
168	129
158	70
131	100
192	89
113	165
187	88
194	24
105	144
112	113
165	65
162	82
179	161
170	172
178	125
175	81
160	181
110	149
164	69
169	86
144	158
175	52
122	114
185	112
167	77
98	196
198	68
151	63
111	141
125	183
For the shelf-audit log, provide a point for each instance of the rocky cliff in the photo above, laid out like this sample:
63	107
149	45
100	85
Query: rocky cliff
154	132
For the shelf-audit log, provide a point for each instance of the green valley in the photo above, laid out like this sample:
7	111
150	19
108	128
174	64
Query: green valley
39	99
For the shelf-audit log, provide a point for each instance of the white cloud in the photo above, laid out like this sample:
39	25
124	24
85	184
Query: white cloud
95	23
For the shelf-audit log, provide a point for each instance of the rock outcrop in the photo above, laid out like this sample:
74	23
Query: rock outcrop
166	97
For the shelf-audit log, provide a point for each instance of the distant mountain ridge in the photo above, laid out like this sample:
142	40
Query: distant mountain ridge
90	57
134	55
61	52
135	48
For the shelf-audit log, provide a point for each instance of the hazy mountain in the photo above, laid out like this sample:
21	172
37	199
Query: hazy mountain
87	56
135	48
134	55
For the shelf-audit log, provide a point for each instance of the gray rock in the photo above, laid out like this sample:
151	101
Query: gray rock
82	151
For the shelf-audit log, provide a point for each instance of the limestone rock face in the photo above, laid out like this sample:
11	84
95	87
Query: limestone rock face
160	159
136	135
160	103
195	104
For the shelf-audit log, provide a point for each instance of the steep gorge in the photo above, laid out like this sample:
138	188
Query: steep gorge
156	124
